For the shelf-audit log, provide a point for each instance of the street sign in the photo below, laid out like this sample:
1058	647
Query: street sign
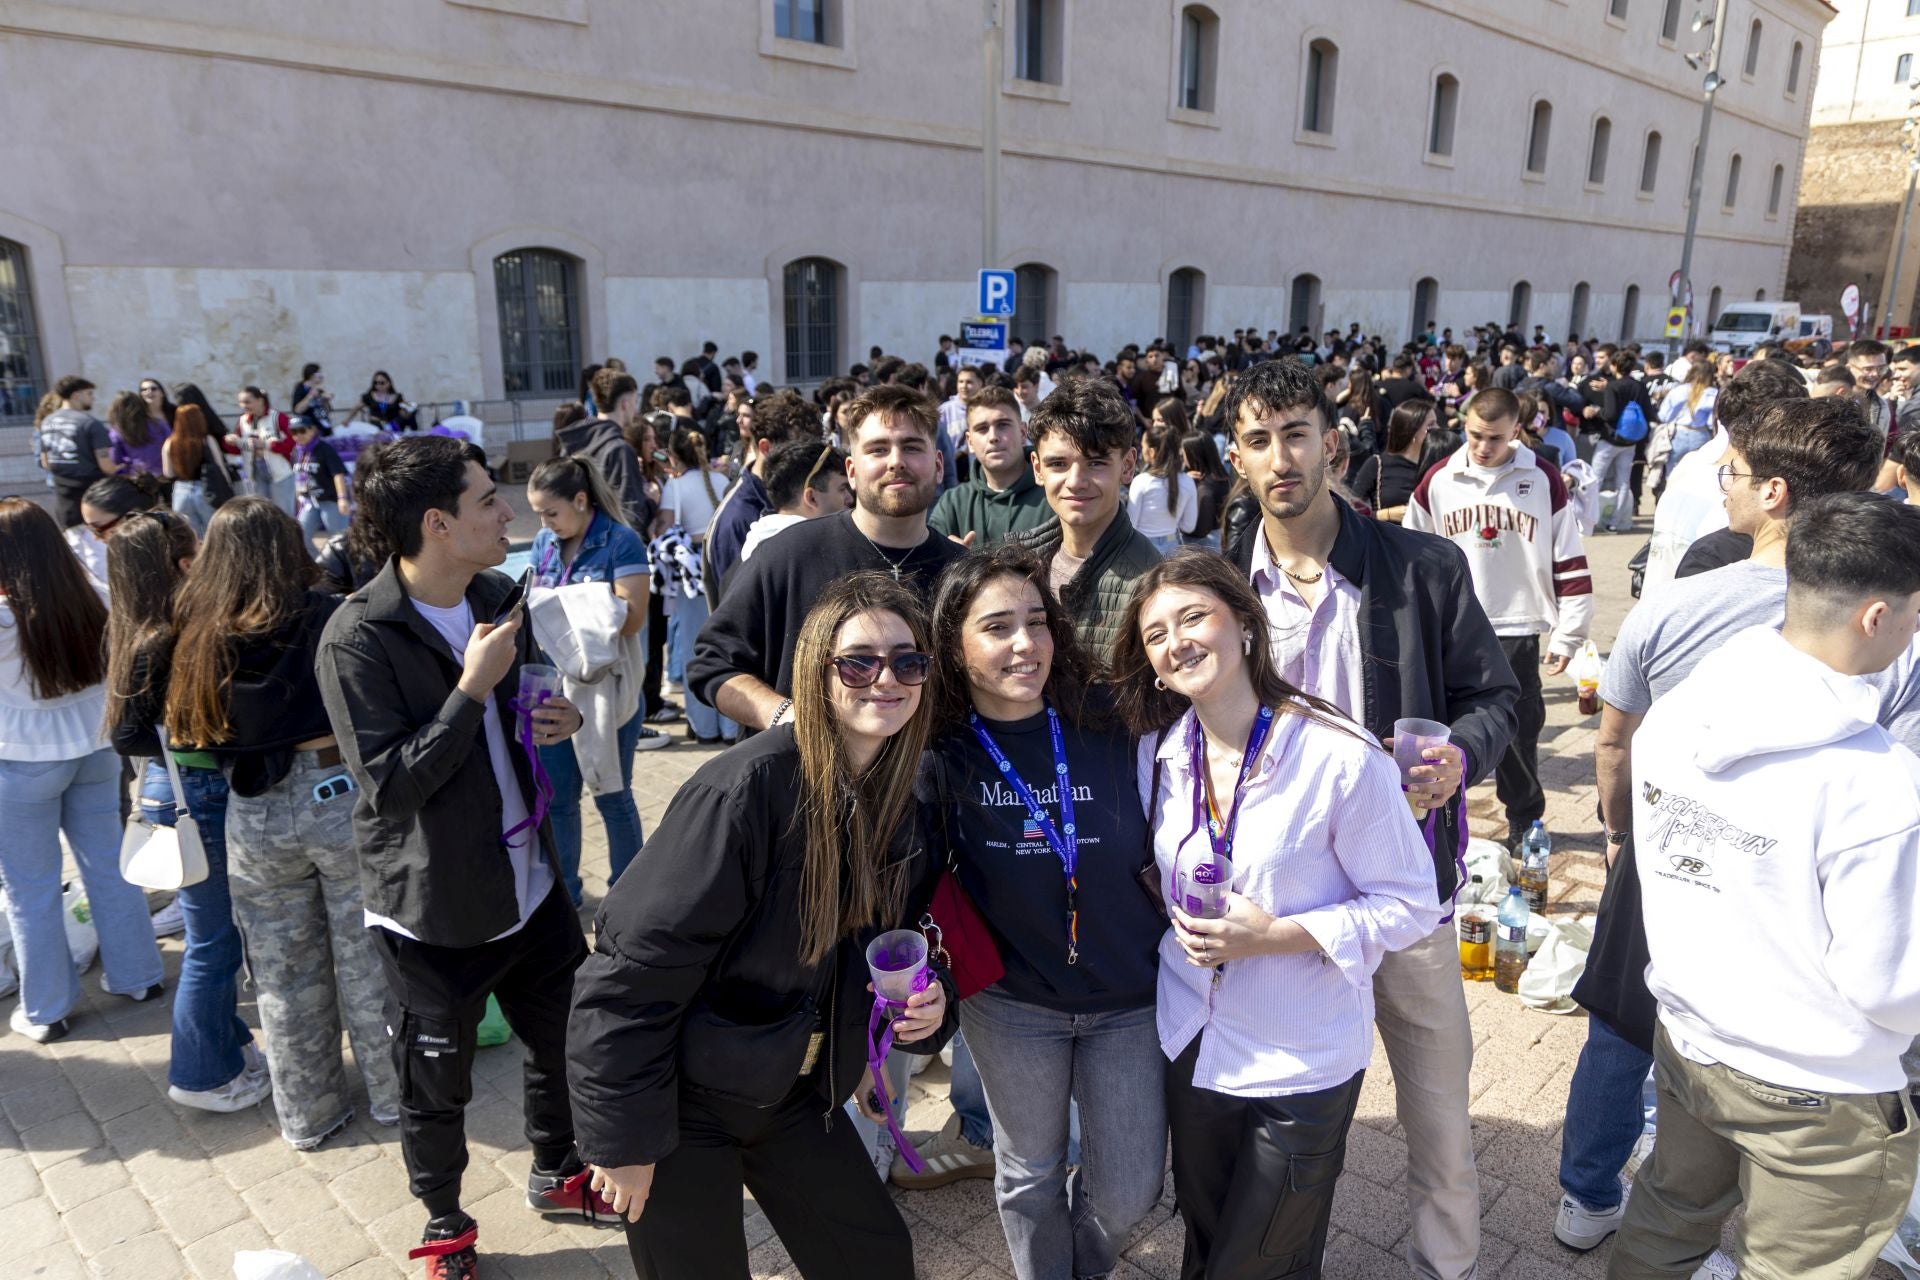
1676	322
1682	295
1673	286
982	341
996	293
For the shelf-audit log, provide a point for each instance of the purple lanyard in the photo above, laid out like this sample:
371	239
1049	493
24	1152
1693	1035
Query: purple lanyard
546	563
542	783
879	1043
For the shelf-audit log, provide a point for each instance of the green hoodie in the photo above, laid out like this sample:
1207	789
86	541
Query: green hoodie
993	514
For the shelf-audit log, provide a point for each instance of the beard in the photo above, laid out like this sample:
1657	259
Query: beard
1312	483
882	501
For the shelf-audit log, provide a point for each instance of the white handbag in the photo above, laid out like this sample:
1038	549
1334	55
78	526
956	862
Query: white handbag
157	857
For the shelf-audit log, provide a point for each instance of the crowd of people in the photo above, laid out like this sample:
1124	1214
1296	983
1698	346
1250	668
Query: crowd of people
1074	683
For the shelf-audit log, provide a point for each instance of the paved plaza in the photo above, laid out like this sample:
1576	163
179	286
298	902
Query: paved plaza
100	1175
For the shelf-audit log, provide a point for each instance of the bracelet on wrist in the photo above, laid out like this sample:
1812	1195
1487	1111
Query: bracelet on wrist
786	705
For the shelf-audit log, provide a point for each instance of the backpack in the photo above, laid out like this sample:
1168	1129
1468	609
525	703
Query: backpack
1632	427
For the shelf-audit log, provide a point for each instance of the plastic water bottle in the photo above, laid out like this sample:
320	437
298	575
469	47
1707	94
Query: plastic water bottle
1535	846
1510	942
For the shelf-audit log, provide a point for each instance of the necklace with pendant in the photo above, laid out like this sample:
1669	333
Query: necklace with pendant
893	566
1308	578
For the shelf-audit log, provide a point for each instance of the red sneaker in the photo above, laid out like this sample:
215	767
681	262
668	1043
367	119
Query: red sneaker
449	1251
568	1195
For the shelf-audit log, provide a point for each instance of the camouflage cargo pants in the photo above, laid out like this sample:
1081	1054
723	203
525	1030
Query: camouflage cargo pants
296	895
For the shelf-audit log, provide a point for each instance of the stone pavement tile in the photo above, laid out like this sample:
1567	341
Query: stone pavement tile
38	1103
987	1239
24	1064
1373	1214
373	1269
287	1199
348	1150
1158	1255
211	1257
1528	1265
398	1230
115	1091
372	1189
553	1257
1349	1257
74	1182
194	1212
148	1257
54	1262
18	1180
110	1220
31	1224
49	1143
329	1240
952	1209
506	1224
614	1256
1525	1157
223	1130
1375	1156
771	1262
1524	1217
260	1156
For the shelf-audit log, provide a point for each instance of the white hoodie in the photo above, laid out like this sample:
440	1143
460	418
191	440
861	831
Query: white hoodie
1777	836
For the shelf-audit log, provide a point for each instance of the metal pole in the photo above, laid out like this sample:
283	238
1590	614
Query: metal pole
990	139
1894	309
1698	177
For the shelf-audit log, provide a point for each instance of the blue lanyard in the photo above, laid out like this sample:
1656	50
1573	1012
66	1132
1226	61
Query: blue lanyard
1220	827
1063	840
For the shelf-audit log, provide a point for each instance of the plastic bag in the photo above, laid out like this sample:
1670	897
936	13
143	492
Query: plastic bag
1488	860
83	940
493	1026
273	1264
1587	669
1547	985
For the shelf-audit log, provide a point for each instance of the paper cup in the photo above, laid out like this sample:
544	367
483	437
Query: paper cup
538	684
898	963
1201	890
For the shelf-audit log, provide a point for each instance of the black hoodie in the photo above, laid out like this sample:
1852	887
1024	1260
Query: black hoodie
600	440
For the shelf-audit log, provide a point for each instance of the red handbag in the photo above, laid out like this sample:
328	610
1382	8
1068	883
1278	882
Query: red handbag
955	929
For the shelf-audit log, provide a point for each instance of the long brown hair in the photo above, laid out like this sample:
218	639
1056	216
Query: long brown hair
1148	708
143	575
57	614
960	585
846	883
187	446
250	578
127	415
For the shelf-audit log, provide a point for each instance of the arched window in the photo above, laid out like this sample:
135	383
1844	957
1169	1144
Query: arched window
1199	56
1670	21
1033	295
1776	189
1186	301
1903	68
1304	309
1630	313
1426	304
1733	181
1793	68
1650	163
22	379
1759	295
1617	9
538	293
811	296
1752	63
1323	73
1597	148
1539	131
1446	106
1519	305
1577	318
1713	306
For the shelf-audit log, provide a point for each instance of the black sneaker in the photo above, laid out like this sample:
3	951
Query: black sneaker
651	740
447	1245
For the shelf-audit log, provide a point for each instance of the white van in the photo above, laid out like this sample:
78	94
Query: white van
1742	326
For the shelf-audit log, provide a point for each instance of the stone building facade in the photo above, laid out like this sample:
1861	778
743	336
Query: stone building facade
478	196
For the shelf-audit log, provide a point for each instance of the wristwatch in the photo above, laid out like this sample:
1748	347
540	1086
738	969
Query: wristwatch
1618	837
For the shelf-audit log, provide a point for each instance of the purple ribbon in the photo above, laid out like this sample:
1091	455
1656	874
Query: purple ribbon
542	783
880	1023
1429	829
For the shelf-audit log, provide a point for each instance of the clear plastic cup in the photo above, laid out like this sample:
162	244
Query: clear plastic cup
1201	890
898	963
538	683
1412	737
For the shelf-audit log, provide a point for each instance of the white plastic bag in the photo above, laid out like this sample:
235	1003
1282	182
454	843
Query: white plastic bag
1488	860
1547	985
273	1264
83	940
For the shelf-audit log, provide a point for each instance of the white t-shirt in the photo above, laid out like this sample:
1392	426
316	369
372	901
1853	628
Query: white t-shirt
765	527
532	876
1148	508
686	496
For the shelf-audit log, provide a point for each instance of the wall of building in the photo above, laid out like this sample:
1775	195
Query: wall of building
277	181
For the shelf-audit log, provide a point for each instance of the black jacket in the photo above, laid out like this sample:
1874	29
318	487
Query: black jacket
600	439
1613	400
426	823
695	982
1426	650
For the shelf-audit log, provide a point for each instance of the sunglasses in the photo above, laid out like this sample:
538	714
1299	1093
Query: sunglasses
858	670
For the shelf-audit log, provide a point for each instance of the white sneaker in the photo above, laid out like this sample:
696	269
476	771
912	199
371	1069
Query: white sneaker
243	1091
651	740
38	1032
1578	1227
1718	1266
169	920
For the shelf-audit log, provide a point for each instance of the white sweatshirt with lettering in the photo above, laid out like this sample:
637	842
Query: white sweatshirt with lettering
1522	539
1776	833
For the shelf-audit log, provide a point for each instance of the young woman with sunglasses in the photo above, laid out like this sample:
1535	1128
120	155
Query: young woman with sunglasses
215	1065
724	1015
242	688
57	775
1266	1012
1035	802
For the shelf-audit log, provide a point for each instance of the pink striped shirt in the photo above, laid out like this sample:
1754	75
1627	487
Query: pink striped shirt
1325	838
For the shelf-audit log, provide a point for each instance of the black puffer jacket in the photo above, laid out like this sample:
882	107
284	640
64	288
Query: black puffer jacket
695	981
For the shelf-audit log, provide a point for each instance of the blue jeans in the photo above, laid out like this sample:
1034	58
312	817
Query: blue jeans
208	1034
1613	464
1685	441
618	813
1034	1061
39	800
683	628
1604	1117
322	517
969	1095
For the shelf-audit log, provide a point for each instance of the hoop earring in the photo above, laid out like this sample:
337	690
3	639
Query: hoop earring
1159	684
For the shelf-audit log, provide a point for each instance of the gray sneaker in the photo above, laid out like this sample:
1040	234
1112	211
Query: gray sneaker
948	1157
243	1091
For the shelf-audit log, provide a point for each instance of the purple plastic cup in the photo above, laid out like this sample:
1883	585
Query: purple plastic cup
898	963
1201	890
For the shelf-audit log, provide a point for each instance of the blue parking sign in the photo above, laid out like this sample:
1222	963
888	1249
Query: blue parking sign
996	293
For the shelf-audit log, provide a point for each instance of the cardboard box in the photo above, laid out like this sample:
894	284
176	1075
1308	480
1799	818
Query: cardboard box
522	457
